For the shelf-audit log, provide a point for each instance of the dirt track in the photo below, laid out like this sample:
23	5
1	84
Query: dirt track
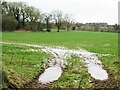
109	83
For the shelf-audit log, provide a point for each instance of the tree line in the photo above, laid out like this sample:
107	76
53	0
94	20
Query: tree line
20	16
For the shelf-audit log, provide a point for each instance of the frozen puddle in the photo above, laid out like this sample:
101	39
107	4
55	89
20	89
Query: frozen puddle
54	71
92	63
50	74
97	72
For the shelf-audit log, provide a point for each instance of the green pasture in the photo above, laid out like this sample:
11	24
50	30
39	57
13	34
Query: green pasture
20	65
97	42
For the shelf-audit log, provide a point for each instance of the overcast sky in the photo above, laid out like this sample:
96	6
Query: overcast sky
83	11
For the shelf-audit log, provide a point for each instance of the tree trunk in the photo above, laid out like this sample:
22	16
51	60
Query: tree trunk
48	26
23	21
58	29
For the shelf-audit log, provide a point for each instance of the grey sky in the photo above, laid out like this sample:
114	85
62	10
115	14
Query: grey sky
82	10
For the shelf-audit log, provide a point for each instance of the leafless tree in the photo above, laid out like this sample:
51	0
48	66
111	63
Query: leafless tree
58	18
68	21
47	18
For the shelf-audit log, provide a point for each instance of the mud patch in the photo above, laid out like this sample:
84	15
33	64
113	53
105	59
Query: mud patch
95	67
111	83
60	54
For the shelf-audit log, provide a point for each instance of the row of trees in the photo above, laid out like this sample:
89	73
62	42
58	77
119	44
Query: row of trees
98	28
18	15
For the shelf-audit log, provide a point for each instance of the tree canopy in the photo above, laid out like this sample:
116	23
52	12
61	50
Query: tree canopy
18	15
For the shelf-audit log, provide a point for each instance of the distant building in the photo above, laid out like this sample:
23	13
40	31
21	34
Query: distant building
98	24
119	12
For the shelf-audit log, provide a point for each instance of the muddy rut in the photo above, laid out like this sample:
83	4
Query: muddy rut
54	69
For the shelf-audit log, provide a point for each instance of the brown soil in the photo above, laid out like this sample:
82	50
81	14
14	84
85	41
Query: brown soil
111	83
35	84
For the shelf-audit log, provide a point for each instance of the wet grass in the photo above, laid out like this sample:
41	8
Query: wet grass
112	64
75	75
21	66
97	42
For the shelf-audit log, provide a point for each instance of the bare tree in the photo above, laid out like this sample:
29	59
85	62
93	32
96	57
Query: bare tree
15	11
58	18
68	21
47	18
40	21
4	8
24	14
33	15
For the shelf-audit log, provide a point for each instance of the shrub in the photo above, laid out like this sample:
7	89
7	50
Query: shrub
8	23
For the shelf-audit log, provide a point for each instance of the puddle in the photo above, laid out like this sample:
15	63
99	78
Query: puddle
54	71
50	74
97	72
92	63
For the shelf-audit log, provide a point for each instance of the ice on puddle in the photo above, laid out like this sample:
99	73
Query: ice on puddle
54	71
50	74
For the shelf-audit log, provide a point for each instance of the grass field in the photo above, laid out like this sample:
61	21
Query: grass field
75	74
97	42
21	65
